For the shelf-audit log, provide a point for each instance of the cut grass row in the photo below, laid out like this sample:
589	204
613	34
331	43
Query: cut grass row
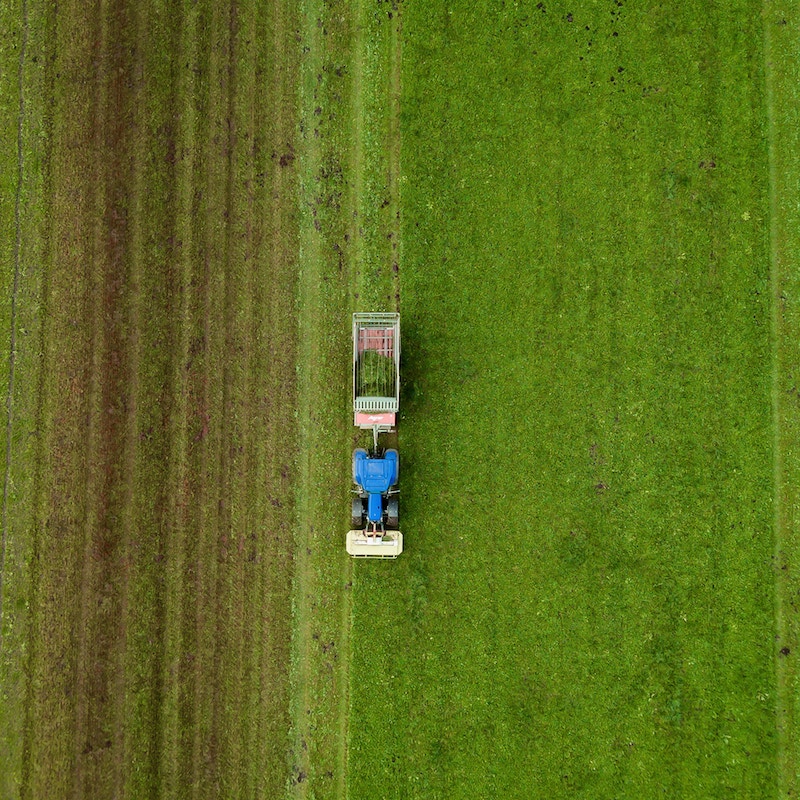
586	601
157	653
348	259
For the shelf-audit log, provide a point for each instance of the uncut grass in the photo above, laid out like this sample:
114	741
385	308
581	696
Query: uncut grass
585	602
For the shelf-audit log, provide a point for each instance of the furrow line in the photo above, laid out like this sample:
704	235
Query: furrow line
212	435
174	722
199	399
91	488
131	429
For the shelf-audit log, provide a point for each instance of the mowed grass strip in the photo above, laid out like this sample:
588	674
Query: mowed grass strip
319	592
348	235
159	644
781	65
71	348
585	606
23	218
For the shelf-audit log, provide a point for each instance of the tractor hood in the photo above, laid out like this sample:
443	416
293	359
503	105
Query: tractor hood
376	475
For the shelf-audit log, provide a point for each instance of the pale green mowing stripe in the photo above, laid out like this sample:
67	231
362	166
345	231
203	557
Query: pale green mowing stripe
214	207
242	611
309	316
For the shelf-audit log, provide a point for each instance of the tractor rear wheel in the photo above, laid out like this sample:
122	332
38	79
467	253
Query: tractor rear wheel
392	513
397	477
355	453
357	515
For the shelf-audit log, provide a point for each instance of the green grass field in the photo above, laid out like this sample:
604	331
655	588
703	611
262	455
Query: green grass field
587	602
587	215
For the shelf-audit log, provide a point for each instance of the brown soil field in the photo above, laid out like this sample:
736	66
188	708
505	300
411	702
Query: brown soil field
156	645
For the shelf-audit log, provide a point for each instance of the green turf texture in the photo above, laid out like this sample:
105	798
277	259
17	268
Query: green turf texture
585	605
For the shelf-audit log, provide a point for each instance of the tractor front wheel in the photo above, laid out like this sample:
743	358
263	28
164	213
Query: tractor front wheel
357	515
392	513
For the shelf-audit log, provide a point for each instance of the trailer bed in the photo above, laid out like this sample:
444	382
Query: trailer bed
376	370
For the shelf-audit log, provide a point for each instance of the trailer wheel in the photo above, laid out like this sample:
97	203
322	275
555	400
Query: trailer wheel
392	513
355	453
357	514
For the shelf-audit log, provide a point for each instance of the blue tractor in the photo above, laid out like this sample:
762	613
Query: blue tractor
376	399
375	510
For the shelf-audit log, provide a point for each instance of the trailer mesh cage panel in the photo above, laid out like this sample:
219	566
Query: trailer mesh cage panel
376	363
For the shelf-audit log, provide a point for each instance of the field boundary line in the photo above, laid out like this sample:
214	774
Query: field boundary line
784	707
14	300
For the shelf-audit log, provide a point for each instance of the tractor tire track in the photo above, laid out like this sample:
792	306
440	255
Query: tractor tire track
16	270
395	149
780	72
349	253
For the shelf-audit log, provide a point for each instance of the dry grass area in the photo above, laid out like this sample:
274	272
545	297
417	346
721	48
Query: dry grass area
156	645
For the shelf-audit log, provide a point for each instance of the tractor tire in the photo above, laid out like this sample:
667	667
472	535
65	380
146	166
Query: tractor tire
355	452
397	478
392	513
357	514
